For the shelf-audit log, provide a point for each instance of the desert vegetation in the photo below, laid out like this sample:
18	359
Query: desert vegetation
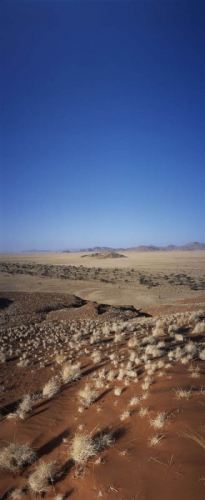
116	275
81	394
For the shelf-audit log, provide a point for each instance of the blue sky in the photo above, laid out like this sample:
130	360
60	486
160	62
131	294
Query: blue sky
102	123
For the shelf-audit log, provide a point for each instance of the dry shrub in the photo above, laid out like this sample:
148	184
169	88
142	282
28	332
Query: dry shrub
60	358
44	474
50	389
199	327
159	420
70	372
103	441
82	448
15	456
16	494
87	395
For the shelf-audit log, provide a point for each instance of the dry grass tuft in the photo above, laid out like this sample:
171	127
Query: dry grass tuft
87	395
182	393
15	456
44	475
126	414
50	389
194	436
103	441
154	440
70	372
17	493
82	448
159	421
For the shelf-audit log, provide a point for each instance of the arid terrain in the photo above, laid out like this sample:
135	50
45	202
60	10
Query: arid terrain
102	376
145	280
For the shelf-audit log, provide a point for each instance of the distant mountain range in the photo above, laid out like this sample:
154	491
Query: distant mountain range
189	247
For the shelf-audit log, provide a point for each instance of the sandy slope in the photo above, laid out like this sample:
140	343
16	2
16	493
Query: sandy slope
33	332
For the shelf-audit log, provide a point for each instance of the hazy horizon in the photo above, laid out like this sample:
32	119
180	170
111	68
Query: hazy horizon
102	123
85	248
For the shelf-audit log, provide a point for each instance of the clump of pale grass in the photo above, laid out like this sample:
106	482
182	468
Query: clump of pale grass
196	315
87	395
24	407
126	414
60	358
40	479
111	375
172	329
117	391
178	353
202	354
94	338
103	441
82	448
199	327
106	330
191	348
16	494
132	342
121	374
50	388
14	456
96	357
143	412
11	416
178	337
154	440
126	381
112	356
159	421
154	351
2	357
101	373
158	332
59	496
124	452
131	373
118	337
134	400
195	374
160	364
70	372
23	363
99	383
146	395
148	340
161	323
77	337
132	355
182	393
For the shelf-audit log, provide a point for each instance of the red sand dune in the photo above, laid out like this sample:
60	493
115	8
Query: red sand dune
158	361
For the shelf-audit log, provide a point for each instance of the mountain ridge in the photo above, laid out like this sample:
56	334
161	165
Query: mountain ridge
188	247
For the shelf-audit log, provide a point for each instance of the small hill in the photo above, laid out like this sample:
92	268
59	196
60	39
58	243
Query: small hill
105	255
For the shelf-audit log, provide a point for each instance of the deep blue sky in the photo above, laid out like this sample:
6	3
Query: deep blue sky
102	123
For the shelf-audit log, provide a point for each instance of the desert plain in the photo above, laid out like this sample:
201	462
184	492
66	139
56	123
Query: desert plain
102	376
